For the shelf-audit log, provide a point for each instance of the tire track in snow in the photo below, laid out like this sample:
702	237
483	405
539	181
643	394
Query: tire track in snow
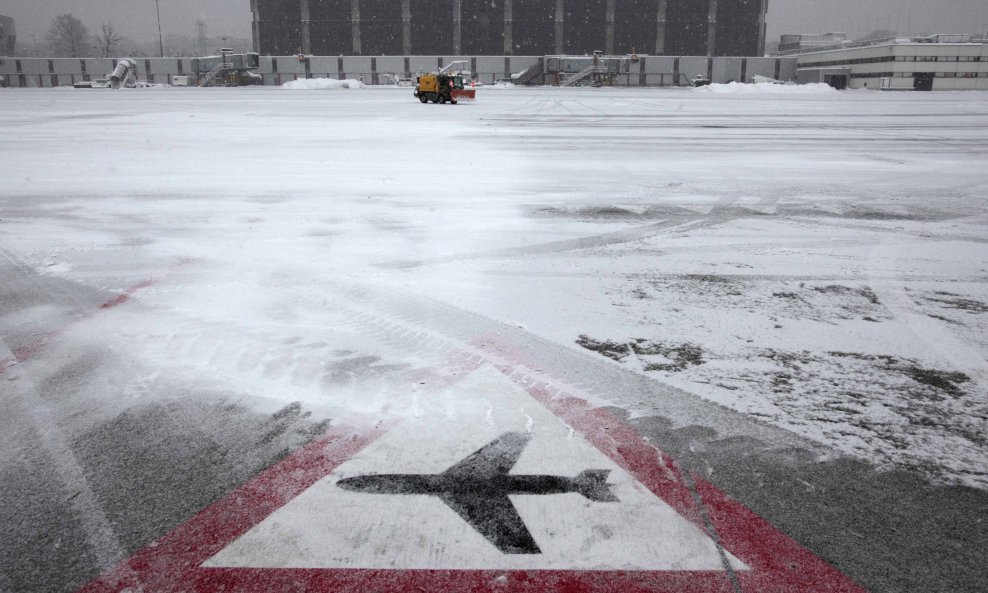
412	322
603	240
101	539
720	214
937	335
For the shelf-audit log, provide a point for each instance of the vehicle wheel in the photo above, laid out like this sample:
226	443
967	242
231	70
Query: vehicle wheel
423	98
452	101
442	99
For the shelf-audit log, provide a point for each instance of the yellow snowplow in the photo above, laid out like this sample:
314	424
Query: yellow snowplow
440	87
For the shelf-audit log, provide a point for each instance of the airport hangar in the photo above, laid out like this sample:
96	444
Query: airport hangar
509	27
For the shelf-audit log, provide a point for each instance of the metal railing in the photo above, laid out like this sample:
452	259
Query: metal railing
217	70
582	74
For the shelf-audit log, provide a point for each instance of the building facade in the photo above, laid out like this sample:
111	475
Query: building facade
941	62
8	35
808	42
509	27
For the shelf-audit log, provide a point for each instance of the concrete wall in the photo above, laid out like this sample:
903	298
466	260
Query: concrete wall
728	69
691	66
275	70
761	67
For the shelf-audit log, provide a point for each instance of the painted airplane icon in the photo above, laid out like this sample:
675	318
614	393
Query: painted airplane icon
477	488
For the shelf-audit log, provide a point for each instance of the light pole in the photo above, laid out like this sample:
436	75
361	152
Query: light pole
161	45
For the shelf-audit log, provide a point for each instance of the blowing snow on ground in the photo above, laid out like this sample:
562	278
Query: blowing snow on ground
799	258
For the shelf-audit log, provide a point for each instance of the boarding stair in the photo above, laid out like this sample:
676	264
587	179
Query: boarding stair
582	74
219	69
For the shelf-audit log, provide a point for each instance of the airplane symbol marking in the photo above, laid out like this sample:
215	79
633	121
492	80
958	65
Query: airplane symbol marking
477	489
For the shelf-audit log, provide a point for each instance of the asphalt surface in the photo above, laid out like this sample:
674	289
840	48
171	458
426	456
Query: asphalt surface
105	449
151	467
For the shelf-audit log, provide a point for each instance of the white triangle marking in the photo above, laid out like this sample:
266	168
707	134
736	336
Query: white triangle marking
329	527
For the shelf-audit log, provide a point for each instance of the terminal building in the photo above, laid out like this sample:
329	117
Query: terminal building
509	27
938	62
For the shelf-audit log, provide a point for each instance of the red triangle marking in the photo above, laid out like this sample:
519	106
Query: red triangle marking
172	564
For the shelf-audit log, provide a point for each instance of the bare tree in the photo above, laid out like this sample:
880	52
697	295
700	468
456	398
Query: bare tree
68	37
107	39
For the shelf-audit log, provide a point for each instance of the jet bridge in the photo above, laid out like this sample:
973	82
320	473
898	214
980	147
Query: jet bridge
229	69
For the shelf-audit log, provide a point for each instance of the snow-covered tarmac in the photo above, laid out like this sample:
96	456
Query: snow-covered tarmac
815	262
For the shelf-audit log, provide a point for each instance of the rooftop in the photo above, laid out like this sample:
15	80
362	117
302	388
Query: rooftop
939	38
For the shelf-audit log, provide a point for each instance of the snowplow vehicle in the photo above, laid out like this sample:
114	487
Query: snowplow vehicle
440	87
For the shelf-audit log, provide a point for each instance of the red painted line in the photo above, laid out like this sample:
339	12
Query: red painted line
254	580
122	297
777	562
172	564
27	351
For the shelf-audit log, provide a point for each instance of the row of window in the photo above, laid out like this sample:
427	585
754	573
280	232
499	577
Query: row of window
848	62
961	74
881	59
910	74
941	58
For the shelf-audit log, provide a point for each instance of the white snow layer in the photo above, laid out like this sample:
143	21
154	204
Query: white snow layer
322	84
731	88
816	260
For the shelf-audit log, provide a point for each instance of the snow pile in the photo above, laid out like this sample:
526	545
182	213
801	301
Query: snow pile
739	88
322	84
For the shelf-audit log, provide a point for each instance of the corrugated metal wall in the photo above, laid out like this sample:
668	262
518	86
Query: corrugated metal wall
536	27
635	26
482	27
331	28
432	27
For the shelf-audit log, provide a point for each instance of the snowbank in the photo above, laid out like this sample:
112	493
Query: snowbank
322	84
794	89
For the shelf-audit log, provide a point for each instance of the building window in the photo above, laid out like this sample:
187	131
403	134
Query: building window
948	58
872	75
875	60
983	74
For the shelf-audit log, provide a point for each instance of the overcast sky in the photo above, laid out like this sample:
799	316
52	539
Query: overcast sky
136	18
